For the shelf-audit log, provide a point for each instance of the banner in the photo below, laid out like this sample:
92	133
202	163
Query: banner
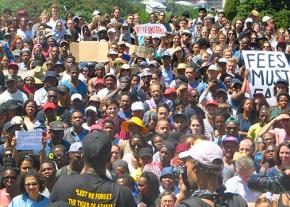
150	30
29	140
266	67
90	51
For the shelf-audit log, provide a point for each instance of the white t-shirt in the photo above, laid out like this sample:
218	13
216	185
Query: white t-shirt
18	96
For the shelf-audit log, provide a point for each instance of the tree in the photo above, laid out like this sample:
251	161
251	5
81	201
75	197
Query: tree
231	8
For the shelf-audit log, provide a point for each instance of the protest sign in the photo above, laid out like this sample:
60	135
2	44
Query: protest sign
90	51
31	140
266	67
150	30
141	51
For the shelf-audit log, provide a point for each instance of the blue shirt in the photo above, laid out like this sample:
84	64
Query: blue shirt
81	88
167	75
50	145
24	201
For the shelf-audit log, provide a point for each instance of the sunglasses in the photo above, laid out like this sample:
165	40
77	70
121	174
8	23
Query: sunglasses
9	178
30	184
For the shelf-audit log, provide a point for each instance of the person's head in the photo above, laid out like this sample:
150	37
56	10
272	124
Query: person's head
9	177
281	86
110	81
74	73
136	143
112	108
109	127
283	99
26	163
31	183
148	185
120	167
196	126
210	108
166	199
283	154
201	12
245	167
29	108
179	122
56	129
116	153
162	127
204	164
157	141
167	179
91	114
155	91
162	111
269	139
263	202
247	105
193	97
58	155
230	146
270	151
48	171
75	156
247	147
220	120
77	119
166	153
232	126
29	82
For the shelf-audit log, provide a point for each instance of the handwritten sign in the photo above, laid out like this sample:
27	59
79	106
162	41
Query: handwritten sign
141	51
266	68
150	30
28	140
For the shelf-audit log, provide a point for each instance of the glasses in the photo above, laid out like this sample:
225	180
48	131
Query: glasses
30	184
231	34
9	178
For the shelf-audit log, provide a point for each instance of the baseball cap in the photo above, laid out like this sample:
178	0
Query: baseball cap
186	32
169	91
13	65
100	65
213	67
221	90
144	63
102	29
8	125
10	77
56	126
166	171
266	18
181	66
206	152
222	60
76	147
100	81
233	119
249	20
51	74
236	82
97	149
146	151
153	62
49	105
230	139
96	12
126	66
113	52
211	102
179	114
112	30
165	54
76	96
137	106
281	81
91	108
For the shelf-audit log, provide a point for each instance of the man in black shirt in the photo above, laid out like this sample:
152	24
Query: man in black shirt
92	187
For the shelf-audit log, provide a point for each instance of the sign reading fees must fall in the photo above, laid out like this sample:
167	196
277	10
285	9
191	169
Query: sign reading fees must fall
266	68
150	30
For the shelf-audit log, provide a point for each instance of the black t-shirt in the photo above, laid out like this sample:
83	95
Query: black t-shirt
91	189
230	200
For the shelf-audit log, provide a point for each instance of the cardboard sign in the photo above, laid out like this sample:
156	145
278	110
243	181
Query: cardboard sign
150	30
266	68
28	140
141	51
90	51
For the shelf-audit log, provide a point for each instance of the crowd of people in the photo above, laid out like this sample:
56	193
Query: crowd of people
176	129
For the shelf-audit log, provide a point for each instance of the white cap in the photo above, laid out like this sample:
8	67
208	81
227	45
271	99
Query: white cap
222	60
213	67
102	29
249	20
75	147
126	66
266	18
137	106
92	108
185	32
76	96
111	30
96	12
204	151
113	52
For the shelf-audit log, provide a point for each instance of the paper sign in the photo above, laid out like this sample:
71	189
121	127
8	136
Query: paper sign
90	51
266	68
140	51
150	30
31	140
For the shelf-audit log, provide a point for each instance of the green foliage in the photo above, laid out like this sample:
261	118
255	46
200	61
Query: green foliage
231	8
275	8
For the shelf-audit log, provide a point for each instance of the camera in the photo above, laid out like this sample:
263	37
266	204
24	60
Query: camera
277	184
